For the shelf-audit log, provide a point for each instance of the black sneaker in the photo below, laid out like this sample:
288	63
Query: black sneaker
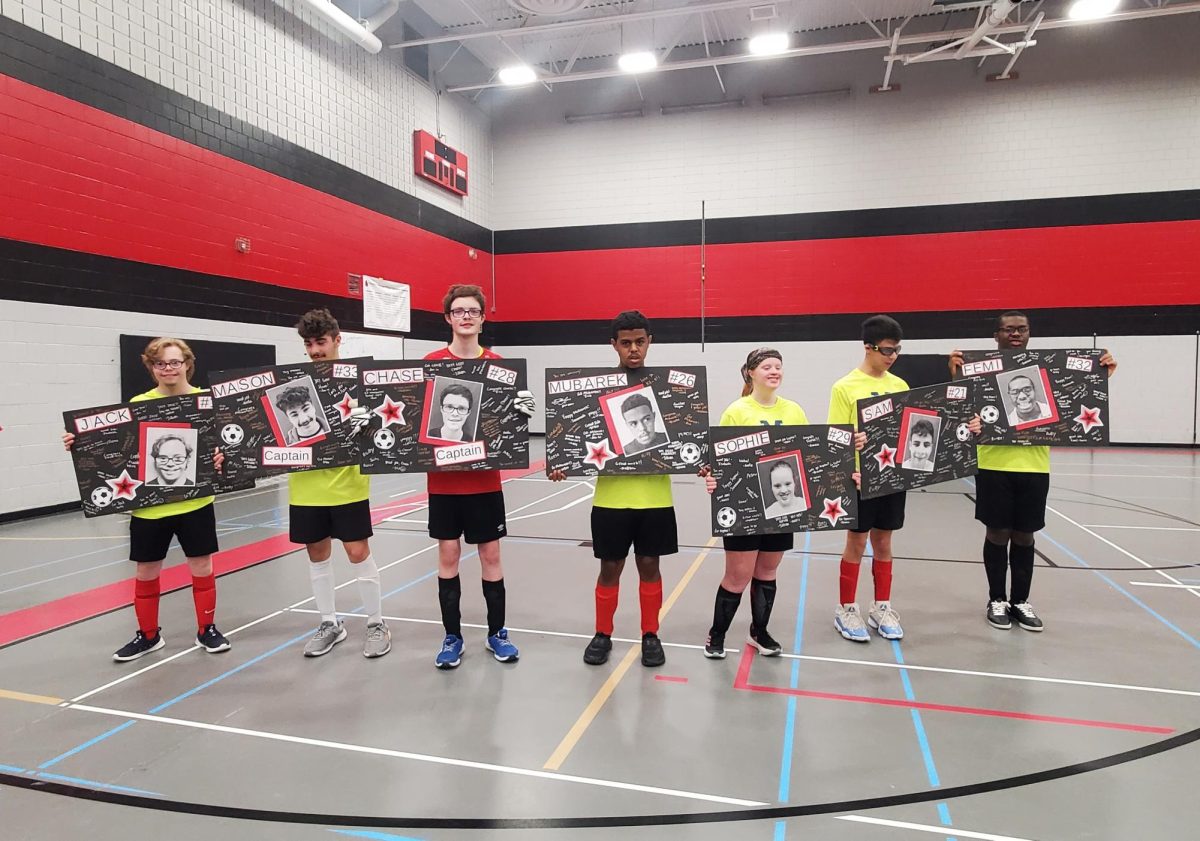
596	653
1026	618
139	646
212	640
764	642
997	615
652	651
714	647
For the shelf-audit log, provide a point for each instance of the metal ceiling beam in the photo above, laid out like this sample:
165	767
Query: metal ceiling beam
994	18
856	46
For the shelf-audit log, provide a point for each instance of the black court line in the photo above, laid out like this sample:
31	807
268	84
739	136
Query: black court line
676	819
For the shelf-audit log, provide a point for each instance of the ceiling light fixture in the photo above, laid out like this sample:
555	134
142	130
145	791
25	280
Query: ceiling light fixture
702	106
770	43
520	74
1092	9
606	115
637	62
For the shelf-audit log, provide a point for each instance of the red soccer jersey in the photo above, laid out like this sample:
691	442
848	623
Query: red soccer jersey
463	481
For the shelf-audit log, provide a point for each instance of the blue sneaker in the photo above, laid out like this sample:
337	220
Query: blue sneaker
849	624
451	654
501	648
885	621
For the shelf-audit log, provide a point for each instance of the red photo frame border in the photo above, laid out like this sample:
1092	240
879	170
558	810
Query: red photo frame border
905	418
799	456
279	439
1049	400
143	454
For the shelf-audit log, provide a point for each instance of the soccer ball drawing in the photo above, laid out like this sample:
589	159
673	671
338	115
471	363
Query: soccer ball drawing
232	434
989	414
726	517
963	432
690	453
101	497
385	439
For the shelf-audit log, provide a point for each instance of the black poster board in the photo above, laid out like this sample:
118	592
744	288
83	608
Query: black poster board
135	455
286	418
1048	397
778	479
441	415
917	438
210	356
620	422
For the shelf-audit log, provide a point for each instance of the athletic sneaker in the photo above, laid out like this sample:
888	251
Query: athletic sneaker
714	647
139	646
764	642
885	621
997	615
652	651
212	640
1026	618
596	653
451	654
327	636
378	641
849	624
501	648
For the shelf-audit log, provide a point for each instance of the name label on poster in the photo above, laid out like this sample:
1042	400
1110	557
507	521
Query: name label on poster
286	456
956	392
1078	363
681	378
502	375
983	366
616	380
345	371
742	442
877	410
840	436
250	383
103	420
393	376
460	453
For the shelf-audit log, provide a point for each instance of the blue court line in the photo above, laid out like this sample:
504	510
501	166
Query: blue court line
789	731
379	836
86	745
13	769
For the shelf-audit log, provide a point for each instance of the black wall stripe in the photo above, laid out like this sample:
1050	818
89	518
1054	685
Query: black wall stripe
50	64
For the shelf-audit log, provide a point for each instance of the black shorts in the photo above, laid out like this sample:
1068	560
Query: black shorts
476	518
1007	500
760	542
196	530
650	531
883	512
314	523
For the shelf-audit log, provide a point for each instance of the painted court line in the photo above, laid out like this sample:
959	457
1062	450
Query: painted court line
1143	528
1165	584
939	830
671	679
10	695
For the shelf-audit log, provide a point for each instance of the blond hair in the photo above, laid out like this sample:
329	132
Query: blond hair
154	350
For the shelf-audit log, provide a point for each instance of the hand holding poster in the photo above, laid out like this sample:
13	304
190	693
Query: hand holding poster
777	479
430	416
136	455
917	438
286	417
614	421
1049	397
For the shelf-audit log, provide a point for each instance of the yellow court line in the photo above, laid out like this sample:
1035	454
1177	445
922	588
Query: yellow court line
602	694
32	699
86	537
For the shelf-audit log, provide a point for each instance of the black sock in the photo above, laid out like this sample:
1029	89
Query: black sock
724	608
493	594
449	595
762	599
1020	558
995	564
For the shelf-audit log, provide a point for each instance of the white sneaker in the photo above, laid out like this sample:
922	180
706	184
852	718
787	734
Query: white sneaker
886	621
849	623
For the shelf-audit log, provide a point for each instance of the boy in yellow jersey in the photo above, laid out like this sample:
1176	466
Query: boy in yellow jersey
1010	501
879	517
172	365
627	511
335	504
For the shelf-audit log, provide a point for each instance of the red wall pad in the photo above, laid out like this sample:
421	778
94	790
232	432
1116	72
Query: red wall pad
81	179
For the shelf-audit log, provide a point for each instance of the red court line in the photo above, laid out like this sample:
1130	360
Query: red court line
671	679
58	613
742	681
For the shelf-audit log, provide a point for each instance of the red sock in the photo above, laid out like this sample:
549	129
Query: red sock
849	582
882	571
145	606
204	594
606	608
650	595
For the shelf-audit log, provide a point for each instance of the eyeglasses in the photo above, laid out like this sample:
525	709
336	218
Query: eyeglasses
170	364
171	459
1022	390
889	352
455	410
459	312
1014	331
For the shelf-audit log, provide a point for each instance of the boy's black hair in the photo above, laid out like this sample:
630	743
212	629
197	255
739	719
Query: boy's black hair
292	397
460	390
878	328
922	427
634	401
1010	314
631	320
317	323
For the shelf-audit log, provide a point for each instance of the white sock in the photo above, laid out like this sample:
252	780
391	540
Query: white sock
321	574
369	590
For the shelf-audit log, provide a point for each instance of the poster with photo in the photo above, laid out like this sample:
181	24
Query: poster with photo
778	479
616	422
917	438
1051	397
285	418
135	455
446	414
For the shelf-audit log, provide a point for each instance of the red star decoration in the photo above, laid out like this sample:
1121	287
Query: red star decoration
391	412
345	406
598	453
1088	418
886	457
124	486
833	511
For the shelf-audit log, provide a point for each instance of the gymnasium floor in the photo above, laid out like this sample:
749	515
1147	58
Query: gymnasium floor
961	731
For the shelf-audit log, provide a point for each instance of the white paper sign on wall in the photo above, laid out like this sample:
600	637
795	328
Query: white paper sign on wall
386	305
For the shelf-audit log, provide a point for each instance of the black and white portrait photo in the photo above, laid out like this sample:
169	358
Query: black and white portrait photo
169	456
1026	398
919	432
634	420
784	489
453	414
296	414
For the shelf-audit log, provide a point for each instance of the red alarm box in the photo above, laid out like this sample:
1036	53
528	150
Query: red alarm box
434	161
